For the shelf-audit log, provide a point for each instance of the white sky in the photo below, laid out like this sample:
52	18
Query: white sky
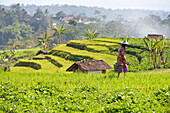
113	4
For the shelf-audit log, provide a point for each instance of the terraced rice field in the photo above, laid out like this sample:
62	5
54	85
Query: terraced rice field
43	85
97	56
64	55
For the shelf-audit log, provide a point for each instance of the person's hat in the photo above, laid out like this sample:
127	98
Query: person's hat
125	43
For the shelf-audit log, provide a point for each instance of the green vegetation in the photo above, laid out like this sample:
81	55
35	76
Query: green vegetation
64	63
43	85
40	65
59	32
97	56
63	56
98	48
93	42
44	42
23	28
6	58
91	35
78	92
26	52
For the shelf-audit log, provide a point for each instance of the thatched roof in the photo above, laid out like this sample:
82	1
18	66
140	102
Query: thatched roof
154	36
94	65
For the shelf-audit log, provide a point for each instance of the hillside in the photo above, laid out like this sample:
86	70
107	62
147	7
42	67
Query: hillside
42	84
126	14
63	56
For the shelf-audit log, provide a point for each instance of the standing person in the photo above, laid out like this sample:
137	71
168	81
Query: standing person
121	58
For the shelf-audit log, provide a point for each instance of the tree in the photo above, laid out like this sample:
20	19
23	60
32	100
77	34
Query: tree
104	17
16	8
18	31
43	42
92	35
59	32
40	20
115	28
61	14
155	18
97	12
73	22
2	17
46	11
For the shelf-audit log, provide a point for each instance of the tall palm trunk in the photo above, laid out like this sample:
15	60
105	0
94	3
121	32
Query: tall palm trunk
59	39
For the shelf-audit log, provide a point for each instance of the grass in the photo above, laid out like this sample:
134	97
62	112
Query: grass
147	82
65	63
22	69
46	66
98	48
93	42
26	52
23	78
97	56
107	40
78	92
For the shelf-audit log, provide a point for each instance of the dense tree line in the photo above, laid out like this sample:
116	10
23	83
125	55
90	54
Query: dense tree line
128	14
19	27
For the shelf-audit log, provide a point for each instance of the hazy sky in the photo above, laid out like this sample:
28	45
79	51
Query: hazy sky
113	4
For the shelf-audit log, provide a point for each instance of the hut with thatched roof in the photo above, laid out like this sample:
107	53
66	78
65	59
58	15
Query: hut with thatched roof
94	66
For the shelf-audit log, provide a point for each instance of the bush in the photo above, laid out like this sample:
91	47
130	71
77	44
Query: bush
28	64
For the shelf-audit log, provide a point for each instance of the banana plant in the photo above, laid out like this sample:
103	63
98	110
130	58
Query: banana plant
43	42
6	57
91	35
162	49
148	46
156	49
152	47
59	32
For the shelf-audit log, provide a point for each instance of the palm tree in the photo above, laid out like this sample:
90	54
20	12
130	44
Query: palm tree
43	41
92	35
59	32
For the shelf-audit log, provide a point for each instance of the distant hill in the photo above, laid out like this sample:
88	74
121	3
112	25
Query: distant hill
126	14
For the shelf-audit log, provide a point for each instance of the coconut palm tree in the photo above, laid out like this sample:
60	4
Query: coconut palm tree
92	35
59	32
